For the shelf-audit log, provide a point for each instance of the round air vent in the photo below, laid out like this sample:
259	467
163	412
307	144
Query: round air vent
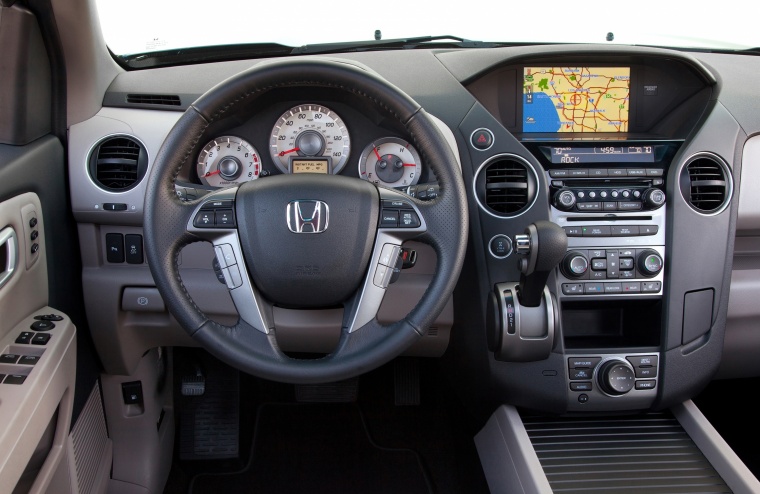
706	183
118	163
506	186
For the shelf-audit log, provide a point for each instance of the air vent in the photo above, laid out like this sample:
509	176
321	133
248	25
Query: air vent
154	99
706	184
118	163
506	186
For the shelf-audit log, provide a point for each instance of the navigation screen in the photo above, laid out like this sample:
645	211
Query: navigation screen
576	99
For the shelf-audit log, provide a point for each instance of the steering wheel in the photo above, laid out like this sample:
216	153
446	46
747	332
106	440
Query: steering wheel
304	240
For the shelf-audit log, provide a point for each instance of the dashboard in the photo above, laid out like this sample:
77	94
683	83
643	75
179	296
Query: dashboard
636	153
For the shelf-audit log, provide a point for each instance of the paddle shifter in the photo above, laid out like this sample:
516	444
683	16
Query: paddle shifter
521	316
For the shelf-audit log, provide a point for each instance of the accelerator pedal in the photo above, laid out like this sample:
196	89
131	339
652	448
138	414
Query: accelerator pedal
406	381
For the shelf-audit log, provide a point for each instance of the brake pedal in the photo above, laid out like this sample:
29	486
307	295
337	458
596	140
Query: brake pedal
194	385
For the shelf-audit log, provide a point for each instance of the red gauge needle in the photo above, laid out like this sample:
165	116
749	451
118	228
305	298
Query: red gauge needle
211	173
376	153
409	164
283	153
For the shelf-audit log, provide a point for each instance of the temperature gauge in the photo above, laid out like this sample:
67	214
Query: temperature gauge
390	161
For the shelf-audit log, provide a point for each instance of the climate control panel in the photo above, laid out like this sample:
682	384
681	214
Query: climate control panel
612	271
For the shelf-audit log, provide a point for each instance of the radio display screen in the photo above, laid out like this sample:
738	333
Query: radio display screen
602	154
576	99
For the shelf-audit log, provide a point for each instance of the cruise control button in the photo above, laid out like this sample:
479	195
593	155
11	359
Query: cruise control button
408	219
389	219
396	204
204	219
624	230
389	254
572	288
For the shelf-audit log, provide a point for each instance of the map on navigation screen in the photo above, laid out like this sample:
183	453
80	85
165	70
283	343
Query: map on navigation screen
576	99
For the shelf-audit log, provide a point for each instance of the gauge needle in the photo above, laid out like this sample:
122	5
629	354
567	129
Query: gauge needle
376	153
283	153
409	164
211	173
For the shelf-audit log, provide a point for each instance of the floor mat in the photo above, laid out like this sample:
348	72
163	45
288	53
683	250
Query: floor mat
313	448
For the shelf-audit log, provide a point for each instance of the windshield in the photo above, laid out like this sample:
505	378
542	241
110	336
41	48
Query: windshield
143	26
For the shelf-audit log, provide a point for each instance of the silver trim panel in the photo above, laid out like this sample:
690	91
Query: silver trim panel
8	241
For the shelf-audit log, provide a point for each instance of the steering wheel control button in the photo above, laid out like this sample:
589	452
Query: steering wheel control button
395	204
225	255
389	219
572	288
218	271
41	339
389	255
42	325
8	358
500	246
408	219
134	249
204	219
482	139
142	299
48	317
382	276
25	338
224	218
232	275
115	247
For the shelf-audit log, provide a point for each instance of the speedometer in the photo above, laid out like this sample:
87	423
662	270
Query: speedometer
228	160
307	135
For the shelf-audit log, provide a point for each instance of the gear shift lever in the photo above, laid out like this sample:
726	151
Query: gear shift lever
544	245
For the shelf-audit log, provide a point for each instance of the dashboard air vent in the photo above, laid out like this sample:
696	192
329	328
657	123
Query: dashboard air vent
154	99
506	185
118	163
706	184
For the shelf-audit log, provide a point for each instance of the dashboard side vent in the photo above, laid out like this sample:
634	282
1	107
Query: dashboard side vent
154	99
506	186
118	163
706	184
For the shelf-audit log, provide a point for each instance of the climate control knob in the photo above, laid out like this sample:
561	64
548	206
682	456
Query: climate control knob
649	262
574	265
564	200
653	198
616	377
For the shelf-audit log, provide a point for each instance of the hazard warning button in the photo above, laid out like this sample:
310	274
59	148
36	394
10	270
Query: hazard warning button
482	139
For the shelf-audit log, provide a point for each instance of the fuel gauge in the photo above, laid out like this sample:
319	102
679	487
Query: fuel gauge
390	161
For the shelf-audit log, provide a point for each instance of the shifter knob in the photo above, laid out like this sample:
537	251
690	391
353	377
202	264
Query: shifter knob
546	246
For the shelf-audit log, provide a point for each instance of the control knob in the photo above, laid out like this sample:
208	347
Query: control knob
649	262
616	377
653	198
574	265
564	200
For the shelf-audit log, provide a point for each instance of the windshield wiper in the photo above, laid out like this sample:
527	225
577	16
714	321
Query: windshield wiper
406	43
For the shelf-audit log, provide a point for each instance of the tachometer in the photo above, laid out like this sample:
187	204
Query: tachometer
390	161
228	160
307	132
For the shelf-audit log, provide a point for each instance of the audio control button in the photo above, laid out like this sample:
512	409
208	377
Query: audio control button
559	173
643	360
624	231
598	172
648	229
637	172
574	231
617	172
629	206
579	172
609	206
589	206
596	231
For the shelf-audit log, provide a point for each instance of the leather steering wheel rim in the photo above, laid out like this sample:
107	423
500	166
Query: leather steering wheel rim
257	352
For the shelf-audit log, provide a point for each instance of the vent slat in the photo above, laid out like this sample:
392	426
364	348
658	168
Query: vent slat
708	187
116	165
507	189
154	99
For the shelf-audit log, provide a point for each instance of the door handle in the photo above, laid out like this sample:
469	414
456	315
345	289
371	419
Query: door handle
8	254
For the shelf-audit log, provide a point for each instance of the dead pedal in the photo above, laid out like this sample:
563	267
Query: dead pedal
406	382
